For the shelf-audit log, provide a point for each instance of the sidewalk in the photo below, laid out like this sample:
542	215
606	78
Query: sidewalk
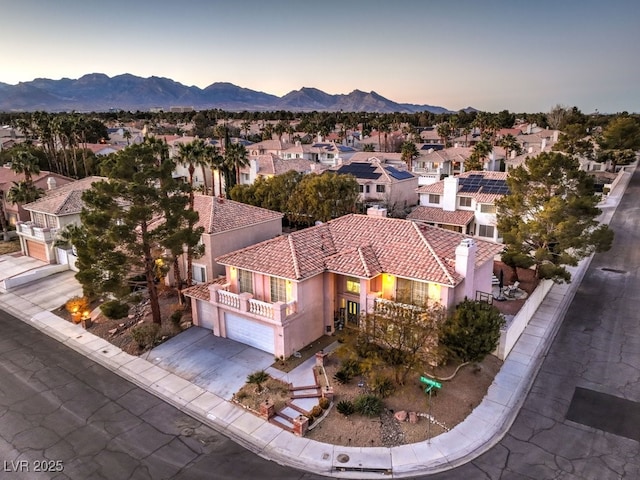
482	429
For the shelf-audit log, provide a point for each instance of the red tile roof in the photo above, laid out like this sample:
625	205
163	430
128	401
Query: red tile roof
64	200
437	215
201	291
360	246
220	215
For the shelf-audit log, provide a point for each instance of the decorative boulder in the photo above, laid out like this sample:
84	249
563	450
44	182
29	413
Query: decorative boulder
413	417
400	416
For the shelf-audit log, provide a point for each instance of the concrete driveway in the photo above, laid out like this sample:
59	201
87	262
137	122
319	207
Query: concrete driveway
49	292
13	264
216	364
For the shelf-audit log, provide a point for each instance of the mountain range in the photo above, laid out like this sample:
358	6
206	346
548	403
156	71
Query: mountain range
99	92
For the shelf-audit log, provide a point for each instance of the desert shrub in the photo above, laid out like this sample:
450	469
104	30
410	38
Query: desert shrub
241	395
145	335
114	309
316	411
342	377
382	386
352	367
365	348
368	405
394	356
324	403
473	331
176	317
345	407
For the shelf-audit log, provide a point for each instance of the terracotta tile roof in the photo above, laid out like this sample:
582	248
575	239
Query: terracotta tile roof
221	215
459	218
8	176
271	164
201	291
361	246
64	200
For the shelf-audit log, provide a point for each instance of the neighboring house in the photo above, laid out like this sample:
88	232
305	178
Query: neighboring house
270	165
229	226
101	149
58	208
389	185
465	203
282	294
43	180
433	164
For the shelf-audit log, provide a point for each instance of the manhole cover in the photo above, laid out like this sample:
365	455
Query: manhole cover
342	458
613	270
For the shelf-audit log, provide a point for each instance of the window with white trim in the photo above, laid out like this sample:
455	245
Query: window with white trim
464	201
485	231
353	285
380	188
433	198
278	288
487	208
198	273
412	292
245	281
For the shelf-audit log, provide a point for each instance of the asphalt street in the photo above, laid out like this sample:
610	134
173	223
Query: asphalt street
63	416
582	417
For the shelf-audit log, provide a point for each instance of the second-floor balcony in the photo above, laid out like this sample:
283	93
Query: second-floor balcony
29	229
244	302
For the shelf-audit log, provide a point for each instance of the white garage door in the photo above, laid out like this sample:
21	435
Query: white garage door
205	314
249	332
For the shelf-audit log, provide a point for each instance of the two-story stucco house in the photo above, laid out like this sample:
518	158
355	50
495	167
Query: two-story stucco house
465	203
228	226
43	180
282	294
58	208
381	182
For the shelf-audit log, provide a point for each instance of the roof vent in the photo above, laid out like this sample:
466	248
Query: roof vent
51	183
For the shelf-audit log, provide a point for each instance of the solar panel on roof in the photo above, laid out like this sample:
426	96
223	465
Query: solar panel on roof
364	171
469	188
398	174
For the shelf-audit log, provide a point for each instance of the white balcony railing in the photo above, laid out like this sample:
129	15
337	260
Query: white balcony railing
244	302
229	299
41	233
258	307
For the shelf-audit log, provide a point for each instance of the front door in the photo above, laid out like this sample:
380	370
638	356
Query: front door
353	309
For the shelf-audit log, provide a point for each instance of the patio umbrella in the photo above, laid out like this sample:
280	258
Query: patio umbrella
501	280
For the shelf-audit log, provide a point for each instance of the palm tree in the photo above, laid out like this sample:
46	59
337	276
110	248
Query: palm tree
444	132
409	153
216	162
26	163
245	126
23	192
510	144
257	379
220	131
193	154
236	157
481	151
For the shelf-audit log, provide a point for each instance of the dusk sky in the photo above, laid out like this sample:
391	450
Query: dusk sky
523	56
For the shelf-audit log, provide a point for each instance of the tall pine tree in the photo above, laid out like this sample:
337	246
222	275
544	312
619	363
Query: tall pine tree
130	220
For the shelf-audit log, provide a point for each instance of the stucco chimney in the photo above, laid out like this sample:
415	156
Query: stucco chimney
466	265
376	211
449	194
51	183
